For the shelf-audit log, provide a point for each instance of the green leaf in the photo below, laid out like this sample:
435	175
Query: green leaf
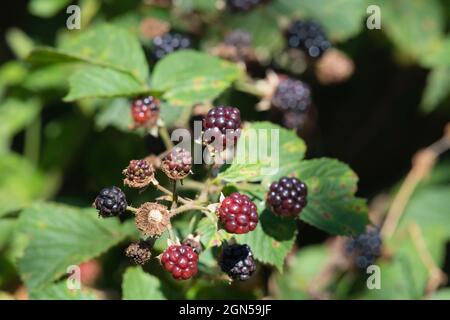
210	235
46	8
20	183
264	151
6	231
61	236
341	19
19	42
187	77
429	208
98	82
104	46
15	115
60	291
12	73
272	239
49	77
440	56
138	285
415	27
302	271
255	23
443	294
332	206
437	88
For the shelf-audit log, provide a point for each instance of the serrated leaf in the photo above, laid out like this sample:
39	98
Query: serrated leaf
61	236
60	291
332	206
138	285
49	77
188	77
272	239
437	88
98	82
415	27
105	46
20	183
341	19
261	156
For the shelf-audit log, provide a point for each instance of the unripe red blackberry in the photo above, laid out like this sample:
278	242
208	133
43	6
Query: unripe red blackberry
287	197
224	124
237	261
139	252
307	36
181	261
168	43
110	202
292	95
138	174
177	164
238	213
145	111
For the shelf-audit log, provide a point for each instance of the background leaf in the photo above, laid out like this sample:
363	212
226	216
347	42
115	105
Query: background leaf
59	291
61	236
187	77
138	285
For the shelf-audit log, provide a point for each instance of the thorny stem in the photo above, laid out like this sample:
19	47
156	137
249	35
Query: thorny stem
423	162
171	234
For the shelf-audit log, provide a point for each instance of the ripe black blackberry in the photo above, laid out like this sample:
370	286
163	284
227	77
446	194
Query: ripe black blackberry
307	36
292	95
365	248
244	5
237	261
168	43
177	164
139	252
287	197
110	202
222	123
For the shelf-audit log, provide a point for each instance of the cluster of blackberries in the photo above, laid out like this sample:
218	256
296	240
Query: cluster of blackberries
307	36
287	197
168	43
222	126
365	248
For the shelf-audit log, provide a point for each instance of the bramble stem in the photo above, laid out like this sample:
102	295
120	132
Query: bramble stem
132	209
165	137
33	140
168	192
174	194
187	207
